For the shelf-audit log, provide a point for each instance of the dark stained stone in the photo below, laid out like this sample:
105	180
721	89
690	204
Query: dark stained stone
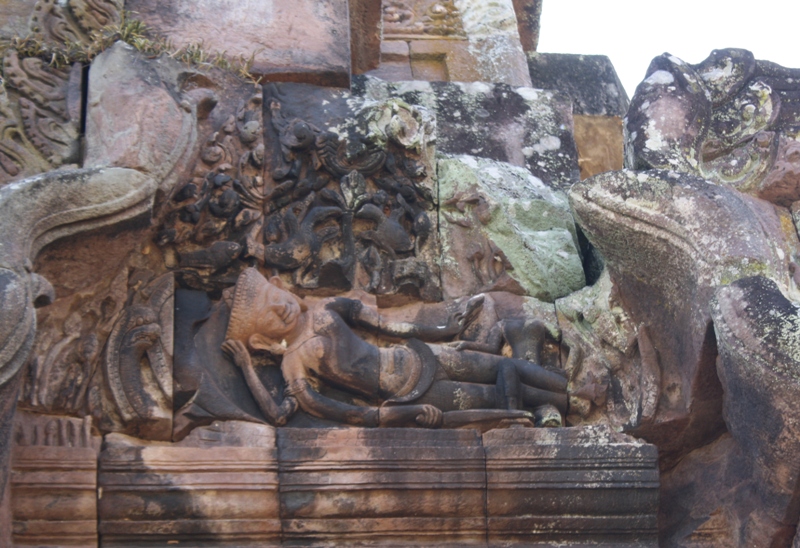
589	80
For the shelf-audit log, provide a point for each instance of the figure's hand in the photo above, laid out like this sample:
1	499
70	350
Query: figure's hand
459	321
429	417
236	351
288	407
425	415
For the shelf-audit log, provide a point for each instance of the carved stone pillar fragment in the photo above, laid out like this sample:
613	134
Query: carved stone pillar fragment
570	485
341	486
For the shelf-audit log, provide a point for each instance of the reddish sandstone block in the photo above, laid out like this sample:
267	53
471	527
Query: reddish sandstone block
288	40
570	485
54	482
217	487
382	486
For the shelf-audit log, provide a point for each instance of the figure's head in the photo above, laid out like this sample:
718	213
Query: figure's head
263	312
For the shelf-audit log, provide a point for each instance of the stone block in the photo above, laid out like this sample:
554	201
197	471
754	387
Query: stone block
287	40
599	142
570	486
589	80
133	119
529	14
397	486
501	228
54	482
365	35
16	17
457	41
522	126
599	103
217	487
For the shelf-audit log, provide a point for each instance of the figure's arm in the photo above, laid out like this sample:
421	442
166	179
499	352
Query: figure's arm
314	403
277	414
492	345
355	313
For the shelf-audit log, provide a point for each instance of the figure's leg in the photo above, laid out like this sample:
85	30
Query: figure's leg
508	386
455	396
469	366
534	397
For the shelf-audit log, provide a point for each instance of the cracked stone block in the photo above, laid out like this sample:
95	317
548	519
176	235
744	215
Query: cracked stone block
288	40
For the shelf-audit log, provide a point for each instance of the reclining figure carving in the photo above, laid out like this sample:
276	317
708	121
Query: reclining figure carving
403	384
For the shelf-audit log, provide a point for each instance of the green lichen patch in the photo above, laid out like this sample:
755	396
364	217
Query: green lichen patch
490	207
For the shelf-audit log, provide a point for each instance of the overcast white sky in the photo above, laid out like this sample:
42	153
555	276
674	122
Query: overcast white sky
632	32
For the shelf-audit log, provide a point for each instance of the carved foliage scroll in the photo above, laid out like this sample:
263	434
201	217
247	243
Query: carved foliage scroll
331	210
40	114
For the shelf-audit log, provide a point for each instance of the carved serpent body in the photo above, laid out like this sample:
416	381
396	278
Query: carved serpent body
135	335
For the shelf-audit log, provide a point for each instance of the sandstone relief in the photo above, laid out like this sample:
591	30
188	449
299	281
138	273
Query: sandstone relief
263	310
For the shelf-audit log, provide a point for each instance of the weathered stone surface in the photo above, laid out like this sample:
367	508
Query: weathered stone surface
570	485
529	14
608	364
730	119
599	142
757	330
378	486
456	41
598	104
702	498
16	18
524	127
589	80
287	40
219	487
668	240
494	42
503	229
365	35
137	116
54	481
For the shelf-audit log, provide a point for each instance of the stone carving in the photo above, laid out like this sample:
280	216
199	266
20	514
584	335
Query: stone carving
33	213
318	347
54	481
332	212
434	18
44	106
701	259
142	395
18	157
324	267
730	119
48	103
75	20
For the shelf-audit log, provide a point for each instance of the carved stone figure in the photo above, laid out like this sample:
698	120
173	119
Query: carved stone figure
33	213
318	346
